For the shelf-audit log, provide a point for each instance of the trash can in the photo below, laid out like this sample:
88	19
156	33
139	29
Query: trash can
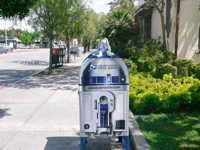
55	56
79	53
104	96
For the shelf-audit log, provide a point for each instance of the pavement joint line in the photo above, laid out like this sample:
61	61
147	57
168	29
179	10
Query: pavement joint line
17	131
39	107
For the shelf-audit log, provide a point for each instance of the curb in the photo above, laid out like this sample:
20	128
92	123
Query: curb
19	51
137	138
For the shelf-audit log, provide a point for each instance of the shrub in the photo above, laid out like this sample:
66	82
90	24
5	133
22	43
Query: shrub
184	66
149	55
195	96
134	53
150	104
168	57
146	64
182	72
183	62
165	69
197	71
176	102
120	50
131	66
150	95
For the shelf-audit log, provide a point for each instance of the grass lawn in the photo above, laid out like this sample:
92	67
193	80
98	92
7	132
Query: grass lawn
172	131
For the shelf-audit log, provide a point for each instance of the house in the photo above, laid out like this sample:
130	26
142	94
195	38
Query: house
182	21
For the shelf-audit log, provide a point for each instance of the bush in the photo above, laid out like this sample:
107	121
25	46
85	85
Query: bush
183	62
197	71
165	69
120	50
131	66
168	57
184	66
146	64
195	96
134	53
182	72
150	104
176	102
150	95
150	54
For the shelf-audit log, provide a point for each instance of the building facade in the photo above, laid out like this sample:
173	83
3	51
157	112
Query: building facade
182	21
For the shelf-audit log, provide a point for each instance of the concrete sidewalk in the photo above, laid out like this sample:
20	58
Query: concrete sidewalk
42	112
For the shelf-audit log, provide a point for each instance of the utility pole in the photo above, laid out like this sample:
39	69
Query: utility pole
5	34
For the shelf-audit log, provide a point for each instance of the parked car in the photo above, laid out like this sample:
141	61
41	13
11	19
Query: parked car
10	49
62	46
24	47
3	49
73	49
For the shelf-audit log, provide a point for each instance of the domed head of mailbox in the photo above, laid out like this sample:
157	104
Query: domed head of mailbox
104	45
104	48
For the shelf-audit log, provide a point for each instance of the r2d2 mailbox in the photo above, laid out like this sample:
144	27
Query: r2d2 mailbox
104	96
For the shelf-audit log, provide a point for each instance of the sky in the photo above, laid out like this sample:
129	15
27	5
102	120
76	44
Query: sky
100	5
97	5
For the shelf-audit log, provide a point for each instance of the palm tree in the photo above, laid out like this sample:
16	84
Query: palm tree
120	24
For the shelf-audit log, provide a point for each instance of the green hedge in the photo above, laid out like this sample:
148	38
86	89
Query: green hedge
184	67
151	95
146	64
131	66
163	69
197	70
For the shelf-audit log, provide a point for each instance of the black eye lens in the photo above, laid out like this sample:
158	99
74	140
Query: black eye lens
103	99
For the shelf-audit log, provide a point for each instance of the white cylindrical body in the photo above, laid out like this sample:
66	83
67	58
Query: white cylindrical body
104	96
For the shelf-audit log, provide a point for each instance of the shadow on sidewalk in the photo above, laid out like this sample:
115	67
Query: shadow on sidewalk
11	76
73	143
3	112
67	79
61	143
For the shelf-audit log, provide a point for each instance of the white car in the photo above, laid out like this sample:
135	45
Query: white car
10	49
24	47
3	49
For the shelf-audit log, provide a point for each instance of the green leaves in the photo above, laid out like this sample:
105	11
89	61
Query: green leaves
150	95
26	38
120	23
15	8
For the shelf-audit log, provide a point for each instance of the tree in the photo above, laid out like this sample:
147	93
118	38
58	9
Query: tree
26	38
120	23
70	20
12	33
55	18
15	8
159	6
90	26
43	17
34	36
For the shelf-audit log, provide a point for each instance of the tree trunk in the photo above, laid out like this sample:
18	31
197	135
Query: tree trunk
85	45
68	48
165	43
50	56
88	46
177	28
